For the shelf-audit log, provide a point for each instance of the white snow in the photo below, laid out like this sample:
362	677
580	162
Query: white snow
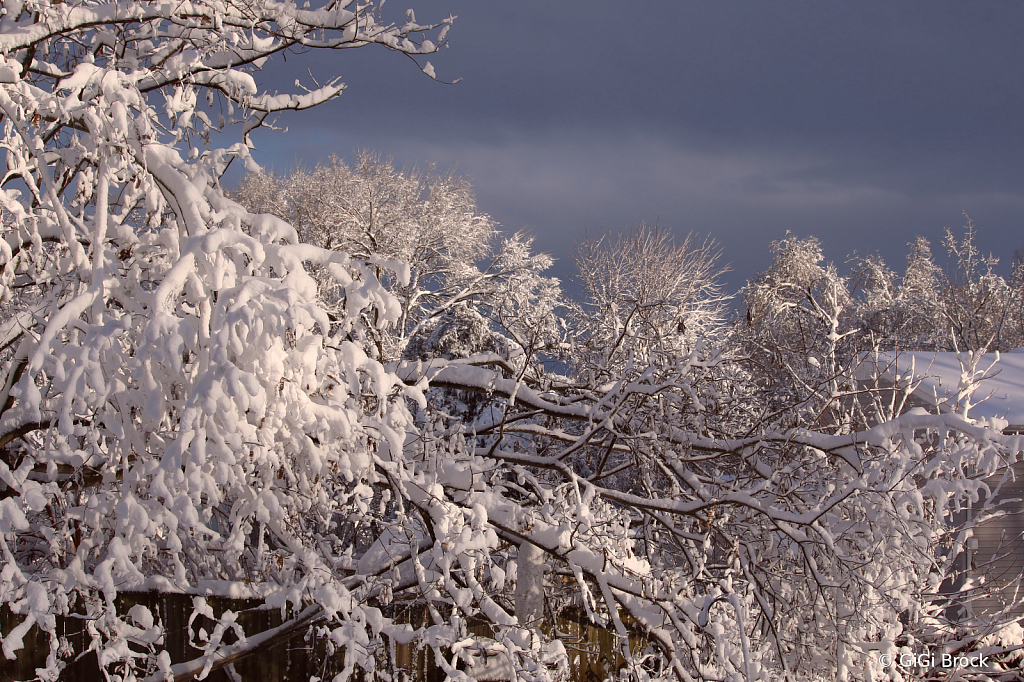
530	586
1000	392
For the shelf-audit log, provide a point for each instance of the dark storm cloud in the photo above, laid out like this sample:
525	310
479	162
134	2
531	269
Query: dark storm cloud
863	123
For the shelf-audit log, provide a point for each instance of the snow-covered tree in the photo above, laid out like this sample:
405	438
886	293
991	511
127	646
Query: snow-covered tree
744	546
808	327
645	296
878	288
919	306
970	306
175	406
978	303
458	265
801	334
1015	328
184	410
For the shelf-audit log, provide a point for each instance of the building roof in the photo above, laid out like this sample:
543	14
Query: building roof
1000	393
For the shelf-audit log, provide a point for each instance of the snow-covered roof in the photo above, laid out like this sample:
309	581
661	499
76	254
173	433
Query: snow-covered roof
1000	394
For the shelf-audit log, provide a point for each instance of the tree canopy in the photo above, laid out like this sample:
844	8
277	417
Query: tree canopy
337	405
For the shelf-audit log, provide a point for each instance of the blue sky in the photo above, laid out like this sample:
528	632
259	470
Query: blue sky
863	123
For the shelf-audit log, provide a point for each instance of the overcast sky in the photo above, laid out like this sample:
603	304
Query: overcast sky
862	123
